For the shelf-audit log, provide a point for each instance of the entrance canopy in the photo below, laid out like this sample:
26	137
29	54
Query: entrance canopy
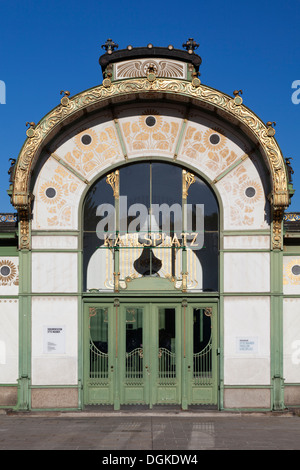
151	104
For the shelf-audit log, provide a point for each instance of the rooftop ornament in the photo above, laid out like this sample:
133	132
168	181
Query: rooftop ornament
190	45
110	46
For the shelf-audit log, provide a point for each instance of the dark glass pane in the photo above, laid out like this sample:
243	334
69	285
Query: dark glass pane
167	190
208	253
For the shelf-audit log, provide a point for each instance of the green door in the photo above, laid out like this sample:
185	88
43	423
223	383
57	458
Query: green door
201	354
150	353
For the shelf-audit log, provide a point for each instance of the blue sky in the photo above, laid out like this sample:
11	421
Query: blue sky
48	46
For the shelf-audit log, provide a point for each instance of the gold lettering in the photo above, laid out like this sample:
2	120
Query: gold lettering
149	239
194	239
156	239
184	238
119	241
107	241
175	241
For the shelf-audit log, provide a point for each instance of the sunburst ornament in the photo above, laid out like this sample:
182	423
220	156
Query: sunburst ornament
292	271
214	139
86	140
8	272
50	192
150	120
250	192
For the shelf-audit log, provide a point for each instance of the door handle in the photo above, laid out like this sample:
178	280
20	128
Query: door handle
147	370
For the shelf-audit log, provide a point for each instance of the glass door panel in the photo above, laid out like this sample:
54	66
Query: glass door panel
202	359
166	357
98	365
132	357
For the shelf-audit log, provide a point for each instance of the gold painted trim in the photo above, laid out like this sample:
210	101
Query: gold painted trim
99	96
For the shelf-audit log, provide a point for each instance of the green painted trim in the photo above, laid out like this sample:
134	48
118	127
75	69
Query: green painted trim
15	385
230	168
276	326
181	133
244	250
120	137
24	397
46	387
9	251
55	250
55	232
69	168
228	387
14	297
246	232
9	235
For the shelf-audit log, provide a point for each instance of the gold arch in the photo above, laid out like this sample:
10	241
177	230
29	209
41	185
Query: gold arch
95	98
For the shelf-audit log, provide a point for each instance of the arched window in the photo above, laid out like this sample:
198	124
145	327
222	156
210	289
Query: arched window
151	219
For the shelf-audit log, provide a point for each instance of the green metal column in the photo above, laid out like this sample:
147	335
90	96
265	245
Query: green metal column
24	380
277	330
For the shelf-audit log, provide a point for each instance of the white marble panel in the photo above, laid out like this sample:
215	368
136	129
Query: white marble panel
251	242
246	272
291	275
57	194
51	367
91	147
54	272
51	242
9	275
247	322
9	341
243	197
291	340
159	138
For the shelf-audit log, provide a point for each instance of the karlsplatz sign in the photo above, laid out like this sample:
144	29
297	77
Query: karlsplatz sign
170	226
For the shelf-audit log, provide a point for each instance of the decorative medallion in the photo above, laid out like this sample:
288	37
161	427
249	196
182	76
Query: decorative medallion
8	273
140	68
291	273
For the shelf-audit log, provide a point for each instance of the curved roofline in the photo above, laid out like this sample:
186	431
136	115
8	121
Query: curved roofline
144	52
98	97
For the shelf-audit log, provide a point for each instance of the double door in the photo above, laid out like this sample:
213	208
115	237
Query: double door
150	353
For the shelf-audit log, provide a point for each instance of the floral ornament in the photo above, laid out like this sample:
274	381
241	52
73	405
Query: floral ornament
151	131
291	273
86	140
250	192
8	273
150	120
51	193
214	139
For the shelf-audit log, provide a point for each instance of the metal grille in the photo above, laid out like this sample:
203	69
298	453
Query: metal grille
134	364
203	365
166	364
98	363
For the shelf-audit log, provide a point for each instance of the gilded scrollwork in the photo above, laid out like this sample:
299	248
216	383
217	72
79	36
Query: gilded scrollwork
99	96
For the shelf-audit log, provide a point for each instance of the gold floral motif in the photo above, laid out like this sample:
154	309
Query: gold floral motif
243	207
58	208
12	277
90	146
288	276
140	136
211	132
